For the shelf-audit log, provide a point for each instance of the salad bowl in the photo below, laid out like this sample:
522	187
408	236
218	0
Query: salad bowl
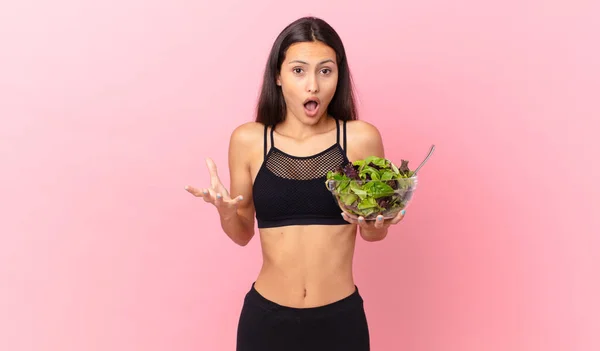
371	187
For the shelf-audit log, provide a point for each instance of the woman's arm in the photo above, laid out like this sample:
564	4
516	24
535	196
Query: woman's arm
364	141
236	213
240	226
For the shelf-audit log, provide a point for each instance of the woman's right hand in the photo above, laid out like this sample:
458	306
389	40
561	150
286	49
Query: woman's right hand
217	194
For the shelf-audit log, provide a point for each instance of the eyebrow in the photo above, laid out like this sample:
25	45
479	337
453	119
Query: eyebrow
306	63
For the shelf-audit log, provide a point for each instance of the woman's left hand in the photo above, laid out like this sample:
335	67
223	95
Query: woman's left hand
378	223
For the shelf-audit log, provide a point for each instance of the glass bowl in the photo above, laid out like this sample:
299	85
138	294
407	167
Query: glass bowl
371	198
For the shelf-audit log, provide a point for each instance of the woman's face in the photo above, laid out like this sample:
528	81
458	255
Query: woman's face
308	80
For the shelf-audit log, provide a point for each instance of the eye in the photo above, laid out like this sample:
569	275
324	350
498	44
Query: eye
326	71
297	70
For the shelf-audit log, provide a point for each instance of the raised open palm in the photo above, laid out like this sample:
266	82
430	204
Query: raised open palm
216	194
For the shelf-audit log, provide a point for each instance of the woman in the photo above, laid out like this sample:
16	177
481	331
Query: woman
304	297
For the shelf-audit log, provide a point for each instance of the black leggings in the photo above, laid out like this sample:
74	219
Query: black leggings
267	326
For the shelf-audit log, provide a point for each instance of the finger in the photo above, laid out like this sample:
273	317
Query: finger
194	191
218	199
399	217
235	201
190	189
204	193
348	219
209	195
362	222
214	175
379	222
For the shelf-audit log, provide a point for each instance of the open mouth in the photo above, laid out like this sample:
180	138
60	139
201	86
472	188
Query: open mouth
311	106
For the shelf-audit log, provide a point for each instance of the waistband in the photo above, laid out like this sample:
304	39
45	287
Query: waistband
349	302
299	220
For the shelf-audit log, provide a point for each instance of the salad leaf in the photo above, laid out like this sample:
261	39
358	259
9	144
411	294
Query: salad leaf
404	167
372	185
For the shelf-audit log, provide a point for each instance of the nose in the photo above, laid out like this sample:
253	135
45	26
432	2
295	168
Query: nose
312	85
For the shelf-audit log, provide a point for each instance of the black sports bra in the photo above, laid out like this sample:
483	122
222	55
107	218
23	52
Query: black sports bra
290	190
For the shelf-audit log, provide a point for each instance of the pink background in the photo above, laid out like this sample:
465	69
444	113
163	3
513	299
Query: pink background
108	109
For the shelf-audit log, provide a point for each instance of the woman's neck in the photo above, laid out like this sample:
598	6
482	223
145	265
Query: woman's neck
292	127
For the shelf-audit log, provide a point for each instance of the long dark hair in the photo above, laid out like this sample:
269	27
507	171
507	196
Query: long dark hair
271	107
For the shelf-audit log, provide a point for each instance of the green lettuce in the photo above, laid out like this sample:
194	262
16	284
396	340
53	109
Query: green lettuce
371	186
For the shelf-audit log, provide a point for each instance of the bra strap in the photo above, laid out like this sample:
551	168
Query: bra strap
337	126
344	135
272	129
265	139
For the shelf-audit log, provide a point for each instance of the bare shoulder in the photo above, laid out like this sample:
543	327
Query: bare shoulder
248	133
364	139
246	144
362	130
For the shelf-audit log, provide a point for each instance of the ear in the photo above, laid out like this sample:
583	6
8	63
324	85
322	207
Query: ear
278	80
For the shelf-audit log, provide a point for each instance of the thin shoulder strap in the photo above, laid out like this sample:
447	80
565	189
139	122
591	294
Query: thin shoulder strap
272	129
265	139
344	135
337	126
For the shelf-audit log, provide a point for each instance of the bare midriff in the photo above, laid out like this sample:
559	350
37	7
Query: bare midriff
307	266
